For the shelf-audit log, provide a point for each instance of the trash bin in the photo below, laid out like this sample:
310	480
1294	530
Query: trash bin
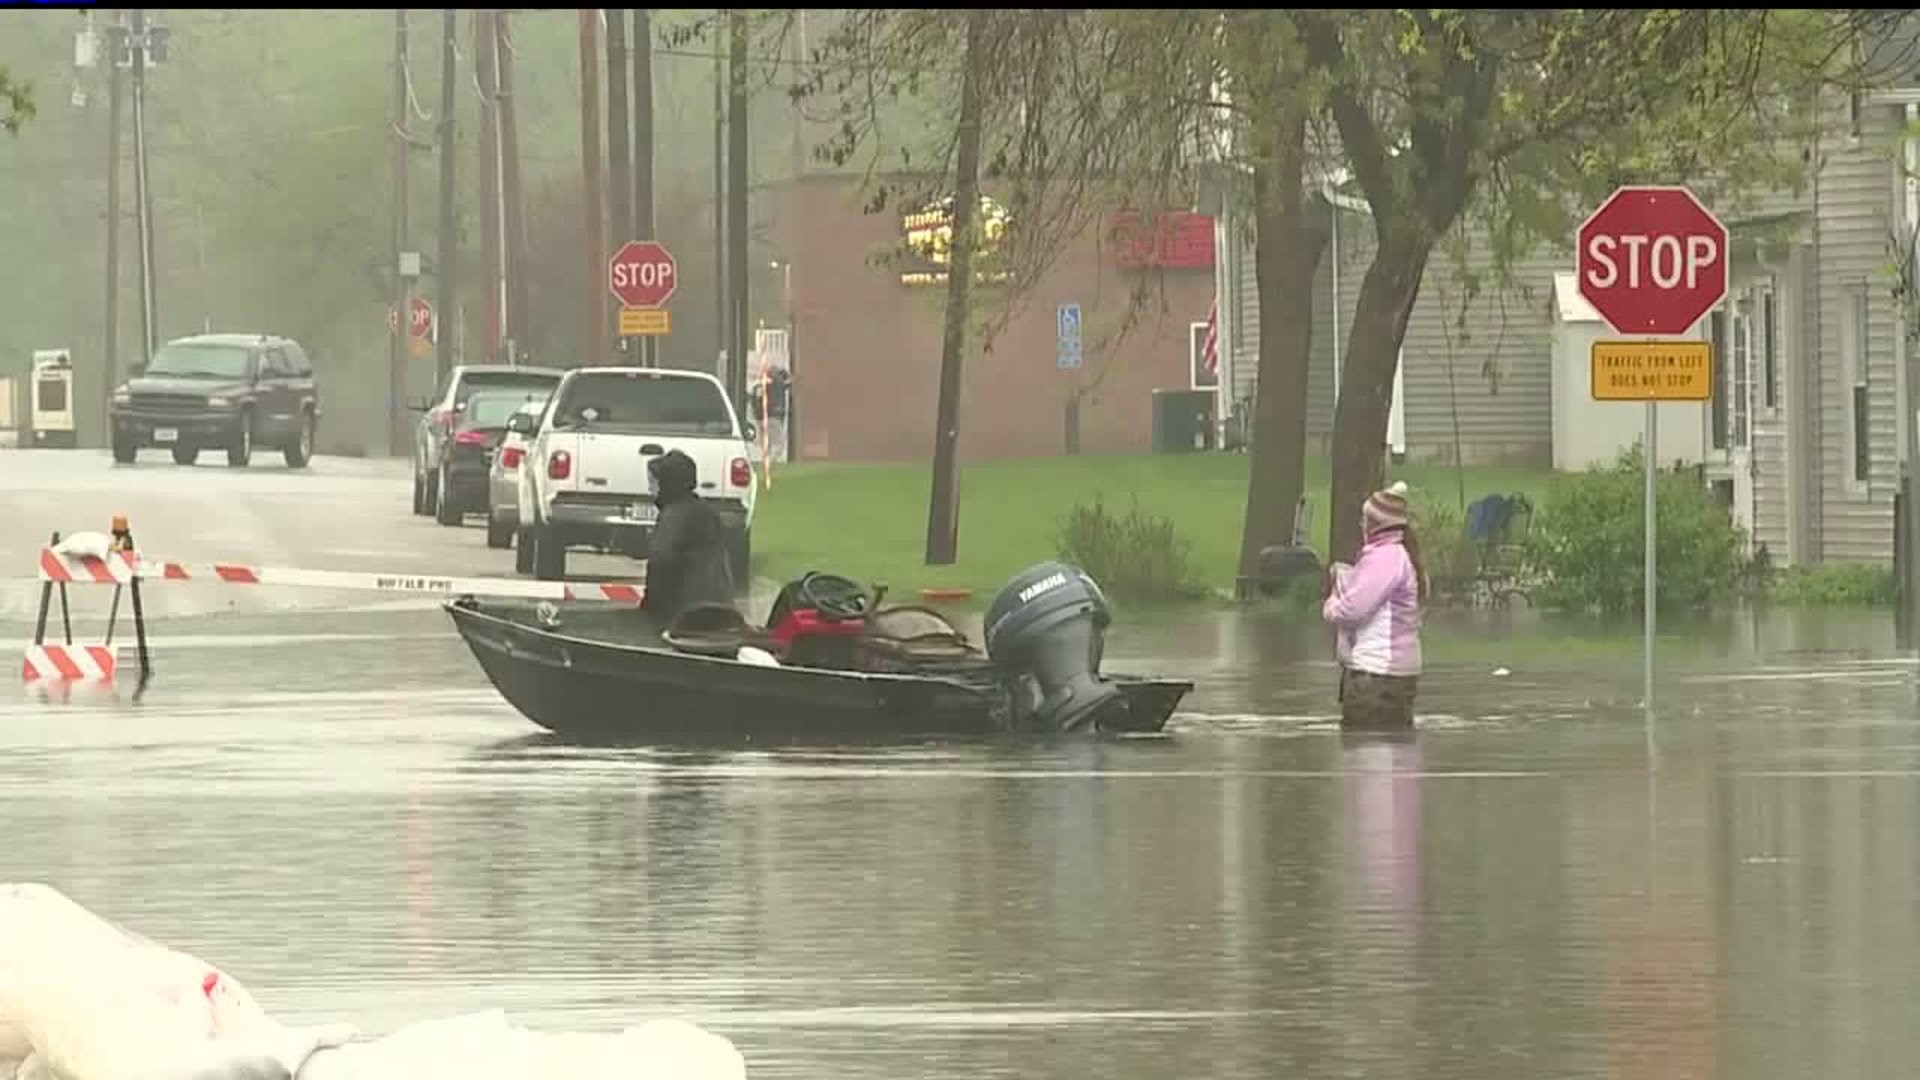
1183	421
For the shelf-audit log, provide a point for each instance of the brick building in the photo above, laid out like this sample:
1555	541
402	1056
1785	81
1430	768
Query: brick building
867	334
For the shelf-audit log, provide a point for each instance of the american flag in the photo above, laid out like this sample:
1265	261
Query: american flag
1210	349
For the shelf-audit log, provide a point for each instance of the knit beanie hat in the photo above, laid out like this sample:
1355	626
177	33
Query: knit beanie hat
1387	509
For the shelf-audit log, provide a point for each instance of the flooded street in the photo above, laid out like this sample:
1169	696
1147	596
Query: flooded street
323	795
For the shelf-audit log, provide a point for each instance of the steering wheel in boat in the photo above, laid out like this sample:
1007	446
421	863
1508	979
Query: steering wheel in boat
837	598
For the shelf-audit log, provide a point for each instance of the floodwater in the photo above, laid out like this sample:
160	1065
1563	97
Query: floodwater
338	809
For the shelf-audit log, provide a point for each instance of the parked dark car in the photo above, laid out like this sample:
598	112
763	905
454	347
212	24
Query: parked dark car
466	459
437	425
226	392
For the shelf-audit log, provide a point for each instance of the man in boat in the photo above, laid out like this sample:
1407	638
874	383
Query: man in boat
687	558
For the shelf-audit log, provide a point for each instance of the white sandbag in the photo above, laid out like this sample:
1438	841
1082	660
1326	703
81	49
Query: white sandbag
84	545
488	1046
87	1000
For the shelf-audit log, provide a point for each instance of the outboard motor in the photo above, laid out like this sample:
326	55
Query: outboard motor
1049	625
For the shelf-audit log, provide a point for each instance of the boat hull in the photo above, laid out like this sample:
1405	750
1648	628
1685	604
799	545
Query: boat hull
601	691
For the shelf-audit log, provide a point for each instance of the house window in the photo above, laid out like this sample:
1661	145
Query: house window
1717	334
1740	374
1769	349
1853	366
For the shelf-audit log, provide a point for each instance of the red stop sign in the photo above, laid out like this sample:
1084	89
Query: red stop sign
420	318
1652	260
642	274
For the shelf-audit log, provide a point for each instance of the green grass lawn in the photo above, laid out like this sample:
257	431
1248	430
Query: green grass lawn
869	522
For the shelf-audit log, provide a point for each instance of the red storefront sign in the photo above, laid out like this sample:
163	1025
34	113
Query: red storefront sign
1172	240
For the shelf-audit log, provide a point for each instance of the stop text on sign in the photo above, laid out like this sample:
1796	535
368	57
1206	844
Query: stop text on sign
1666	262
643	275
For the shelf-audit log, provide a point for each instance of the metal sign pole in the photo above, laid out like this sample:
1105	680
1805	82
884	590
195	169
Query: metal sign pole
1653	520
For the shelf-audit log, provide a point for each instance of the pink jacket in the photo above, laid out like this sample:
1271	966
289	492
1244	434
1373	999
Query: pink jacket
1375	609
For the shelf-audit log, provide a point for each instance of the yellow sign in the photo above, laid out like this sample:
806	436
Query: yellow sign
645	322
929	242
420	347
1652	371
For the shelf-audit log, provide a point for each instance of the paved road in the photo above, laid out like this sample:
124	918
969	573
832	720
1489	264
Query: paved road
339	514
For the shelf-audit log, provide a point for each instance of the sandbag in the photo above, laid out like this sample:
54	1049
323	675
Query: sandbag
488	1046
83	999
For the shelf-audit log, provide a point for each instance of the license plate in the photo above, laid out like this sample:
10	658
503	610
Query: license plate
641	512
165	435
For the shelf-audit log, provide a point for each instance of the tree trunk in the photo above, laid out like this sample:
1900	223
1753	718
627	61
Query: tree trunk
1289	238
1387	294
943	509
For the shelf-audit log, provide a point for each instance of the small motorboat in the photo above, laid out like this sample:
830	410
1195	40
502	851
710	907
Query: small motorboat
831	664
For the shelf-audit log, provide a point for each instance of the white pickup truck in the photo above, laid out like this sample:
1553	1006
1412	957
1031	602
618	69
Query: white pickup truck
584	481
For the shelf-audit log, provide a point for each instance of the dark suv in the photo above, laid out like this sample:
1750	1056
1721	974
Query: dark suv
219	391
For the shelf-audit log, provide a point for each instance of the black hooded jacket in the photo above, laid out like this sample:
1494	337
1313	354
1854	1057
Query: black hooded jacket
687	560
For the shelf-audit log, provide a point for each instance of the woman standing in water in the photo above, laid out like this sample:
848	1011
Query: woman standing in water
1374	607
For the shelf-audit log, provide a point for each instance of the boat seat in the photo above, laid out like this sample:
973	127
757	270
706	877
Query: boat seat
713	630
910	638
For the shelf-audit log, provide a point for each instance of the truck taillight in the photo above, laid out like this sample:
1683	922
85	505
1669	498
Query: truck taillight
559	465
441	419
510	458
739	473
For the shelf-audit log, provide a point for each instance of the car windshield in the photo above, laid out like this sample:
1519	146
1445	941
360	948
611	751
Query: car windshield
644	403
492	410
523	382
199	360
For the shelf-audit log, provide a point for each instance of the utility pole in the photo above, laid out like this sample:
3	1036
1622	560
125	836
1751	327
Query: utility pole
401	318
443	264
116	36
800	58
643	224
515	221
595	342
737	200
619	193
943	507
722	316
142	191
485	55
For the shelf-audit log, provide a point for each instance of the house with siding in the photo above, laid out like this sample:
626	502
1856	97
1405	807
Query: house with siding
1807	435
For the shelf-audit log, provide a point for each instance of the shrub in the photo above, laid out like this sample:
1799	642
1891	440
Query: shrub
1587	541
1835	585
1441	531
1136	558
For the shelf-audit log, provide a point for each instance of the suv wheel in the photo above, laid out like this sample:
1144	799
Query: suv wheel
523	551
125	450
300	451
499	533
240	449
549	555
740	557
419	494
446	511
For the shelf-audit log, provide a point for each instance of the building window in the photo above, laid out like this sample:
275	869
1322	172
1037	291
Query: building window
1717	334
1769	349
1853	366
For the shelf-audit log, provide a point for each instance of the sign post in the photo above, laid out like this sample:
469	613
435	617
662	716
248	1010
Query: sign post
1068	322
642	275
1652	261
